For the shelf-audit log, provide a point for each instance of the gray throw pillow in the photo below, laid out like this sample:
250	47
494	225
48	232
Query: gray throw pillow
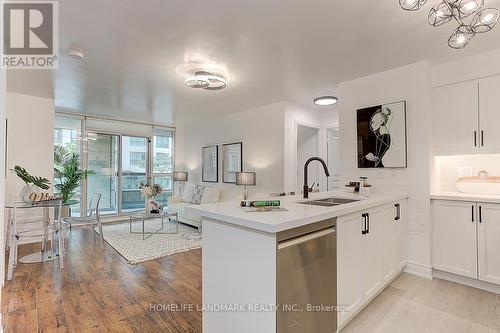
197	194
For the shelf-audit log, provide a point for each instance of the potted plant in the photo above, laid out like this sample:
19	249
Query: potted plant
68	174
33	183
149	192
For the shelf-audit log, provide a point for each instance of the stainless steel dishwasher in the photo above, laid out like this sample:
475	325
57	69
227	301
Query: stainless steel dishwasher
307	279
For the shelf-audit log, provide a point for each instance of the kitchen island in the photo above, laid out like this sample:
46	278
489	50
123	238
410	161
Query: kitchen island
240	249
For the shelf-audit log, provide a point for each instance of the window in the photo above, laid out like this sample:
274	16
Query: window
138	142
66	133
137	159
162	142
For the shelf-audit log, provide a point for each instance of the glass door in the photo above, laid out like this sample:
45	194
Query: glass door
103	157
134	170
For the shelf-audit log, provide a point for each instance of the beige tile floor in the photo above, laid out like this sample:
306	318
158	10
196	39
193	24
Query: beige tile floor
413	304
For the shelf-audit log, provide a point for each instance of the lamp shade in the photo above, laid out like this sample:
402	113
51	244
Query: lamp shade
180	176
245	178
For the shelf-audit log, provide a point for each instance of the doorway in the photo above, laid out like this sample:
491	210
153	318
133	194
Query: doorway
307	147
120	164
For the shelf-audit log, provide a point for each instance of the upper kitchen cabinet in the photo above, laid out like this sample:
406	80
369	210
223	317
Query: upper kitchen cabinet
489	114
465	117
455	118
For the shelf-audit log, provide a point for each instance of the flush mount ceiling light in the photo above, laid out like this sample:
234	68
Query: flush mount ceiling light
483	19
326	100
75	53
205	80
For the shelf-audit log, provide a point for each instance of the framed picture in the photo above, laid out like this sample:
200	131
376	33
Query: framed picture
210	166
232	161
382	136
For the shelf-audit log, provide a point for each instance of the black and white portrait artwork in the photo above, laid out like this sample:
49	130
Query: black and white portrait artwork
382	136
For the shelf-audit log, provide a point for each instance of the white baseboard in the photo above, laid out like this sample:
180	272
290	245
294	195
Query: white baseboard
418	270
491	287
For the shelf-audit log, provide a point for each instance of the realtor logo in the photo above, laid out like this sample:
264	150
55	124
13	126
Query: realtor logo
29	34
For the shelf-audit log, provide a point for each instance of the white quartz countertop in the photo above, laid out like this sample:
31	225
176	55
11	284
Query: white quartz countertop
458	196
296	214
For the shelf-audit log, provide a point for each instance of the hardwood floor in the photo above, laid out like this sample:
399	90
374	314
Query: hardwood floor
99	292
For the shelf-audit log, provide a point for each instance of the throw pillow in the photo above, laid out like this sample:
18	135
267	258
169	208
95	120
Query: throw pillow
188	193
197	194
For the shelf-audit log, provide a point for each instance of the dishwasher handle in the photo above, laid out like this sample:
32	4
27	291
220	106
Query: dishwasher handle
305	238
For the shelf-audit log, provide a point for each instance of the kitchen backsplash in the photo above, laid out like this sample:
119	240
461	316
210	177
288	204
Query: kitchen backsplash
448	168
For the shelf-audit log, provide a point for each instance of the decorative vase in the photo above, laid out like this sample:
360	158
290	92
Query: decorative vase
26	192
149	205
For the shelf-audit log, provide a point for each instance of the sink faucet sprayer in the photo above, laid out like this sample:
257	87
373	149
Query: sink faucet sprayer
306	187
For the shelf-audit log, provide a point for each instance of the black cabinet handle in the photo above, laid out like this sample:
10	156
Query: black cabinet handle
482	138
475	138
363	232
480	214
398	212
368	218
472	213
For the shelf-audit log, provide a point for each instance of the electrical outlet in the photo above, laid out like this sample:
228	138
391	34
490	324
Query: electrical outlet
419	224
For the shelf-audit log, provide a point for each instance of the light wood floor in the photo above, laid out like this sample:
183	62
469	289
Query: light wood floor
412	304
99	292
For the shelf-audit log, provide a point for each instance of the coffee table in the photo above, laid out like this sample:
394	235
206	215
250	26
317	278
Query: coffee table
148	218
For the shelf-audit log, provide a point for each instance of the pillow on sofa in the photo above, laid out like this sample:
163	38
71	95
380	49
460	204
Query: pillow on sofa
211	195
197	194
188	193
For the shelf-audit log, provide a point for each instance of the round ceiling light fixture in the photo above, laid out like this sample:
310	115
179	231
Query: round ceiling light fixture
326	100
75	53
205	80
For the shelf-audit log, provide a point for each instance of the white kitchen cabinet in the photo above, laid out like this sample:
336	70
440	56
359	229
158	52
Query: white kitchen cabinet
388	241
401	221
367	254
489	242
489	114
455	118
349	263
454	237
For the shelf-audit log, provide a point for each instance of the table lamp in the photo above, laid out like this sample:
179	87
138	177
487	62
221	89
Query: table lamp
180	176
245	179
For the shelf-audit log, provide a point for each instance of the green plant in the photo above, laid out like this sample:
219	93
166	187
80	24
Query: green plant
67	172
28	179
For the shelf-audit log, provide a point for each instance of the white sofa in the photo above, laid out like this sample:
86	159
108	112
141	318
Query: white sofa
179	204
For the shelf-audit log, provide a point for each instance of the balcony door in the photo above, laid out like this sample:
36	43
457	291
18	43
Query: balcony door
134	171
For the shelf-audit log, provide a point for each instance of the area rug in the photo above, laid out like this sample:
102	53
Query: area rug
135	250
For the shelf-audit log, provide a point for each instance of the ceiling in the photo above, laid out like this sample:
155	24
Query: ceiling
137	52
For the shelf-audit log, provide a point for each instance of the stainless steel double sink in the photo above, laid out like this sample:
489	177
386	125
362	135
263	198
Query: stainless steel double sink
328	202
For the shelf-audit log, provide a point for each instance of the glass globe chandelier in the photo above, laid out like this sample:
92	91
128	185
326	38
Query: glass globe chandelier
483	19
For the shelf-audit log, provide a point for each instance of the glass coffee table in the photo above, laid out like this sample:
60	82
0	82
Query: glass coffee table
169	223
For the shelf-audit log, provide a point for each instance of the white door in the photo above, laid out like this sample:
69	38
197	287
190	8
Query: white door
388	242
401	220
489	242
489	114
372	275
349	262
455	118
454	237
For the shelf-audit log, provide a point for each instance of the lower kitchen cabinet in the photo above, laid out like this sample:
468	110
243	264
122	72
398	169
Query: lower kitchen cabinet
371	251
466	239
488	235
454	237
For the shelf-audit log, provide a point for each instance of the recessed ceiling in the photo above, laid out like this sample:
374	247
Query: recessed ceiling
137	53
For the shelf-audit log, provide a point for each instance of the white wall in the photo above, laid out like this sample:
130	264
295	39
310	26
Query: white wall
2	172
261	130
410	83
295	115
30	138
448	168
468	68
307	146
